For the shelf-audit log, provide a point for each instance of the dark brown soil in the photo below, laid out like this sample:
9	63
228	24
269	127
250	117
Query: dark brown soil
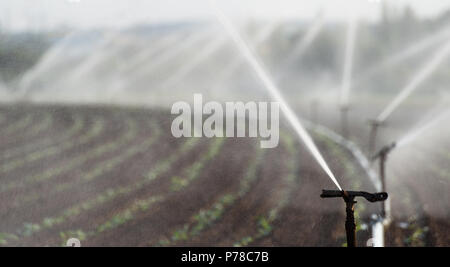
306	219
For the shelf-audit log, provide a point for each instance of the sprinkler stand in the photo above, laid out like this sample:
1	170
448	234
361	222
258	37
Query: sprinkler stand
382	155
349	198
374	124
350	224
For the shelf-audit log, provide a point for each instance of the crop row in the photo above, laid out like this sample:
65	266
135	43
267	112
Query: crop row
34	129
108	195
95	131
42	143
188	174
100	169
17	126
79	160
265	221
207	217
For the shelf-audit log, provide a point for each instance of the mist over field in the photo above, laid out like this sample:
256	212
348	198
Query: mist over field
86	149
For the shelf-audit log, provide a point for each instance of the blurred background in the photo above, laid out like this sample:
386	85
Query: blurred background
86	89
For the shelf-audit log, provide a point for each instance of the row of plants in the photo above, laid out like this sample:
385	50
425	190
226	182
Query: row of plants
17	126
142	205
208	216
36	128
54	150
91	154
264	223
42	143
99	170
107	195
192	172
46	123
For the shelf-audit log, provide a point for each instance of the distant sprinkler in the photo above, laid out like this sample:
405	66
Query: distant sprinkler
382	156
349	198
374	125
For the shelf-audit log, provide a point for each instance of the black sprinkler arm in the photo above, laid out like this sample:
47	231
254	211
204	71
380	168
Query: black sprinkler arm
349	198
384	151
352	194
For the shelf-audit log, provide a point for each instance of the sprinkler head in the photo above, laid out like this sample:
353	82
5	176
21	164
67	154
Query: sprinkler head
349	198
375	122
384	151
350	195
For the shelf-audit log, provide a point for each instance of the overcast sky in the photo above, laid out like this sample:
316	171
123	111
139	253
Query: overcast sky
37	14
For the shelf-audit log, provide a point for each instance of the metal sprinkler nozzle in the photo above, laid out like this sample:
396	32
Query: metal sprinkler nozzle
384	151
349	198
350	195
375	122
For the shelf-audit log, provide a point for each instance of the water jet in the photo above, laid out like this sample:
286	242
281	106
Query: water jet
419	78
410	137
273	90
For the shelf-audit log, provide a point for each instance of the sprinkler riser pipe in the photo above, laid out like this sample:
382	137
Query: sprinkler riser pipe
382	155
383	181
349	198
372	138
350	224
373	135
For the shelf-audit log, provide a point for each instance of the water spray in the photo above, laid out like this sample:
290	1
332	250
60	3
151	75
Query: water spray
403	54
234	65
422	129
190	41
349	198
305	42
407	52
185	69
382	156
347	75
274	91
416	81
